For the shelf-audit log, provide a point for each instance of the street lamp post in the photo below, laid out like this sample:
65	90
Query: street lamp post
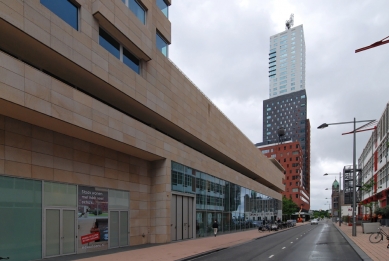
331	206
339	199
329	212
324	125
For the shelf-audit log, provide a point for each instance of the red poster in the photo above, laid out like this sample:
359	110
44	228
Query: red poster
90	238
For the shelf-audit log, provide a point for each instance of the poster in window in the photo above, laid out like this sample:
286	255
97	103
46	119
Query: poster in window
92	219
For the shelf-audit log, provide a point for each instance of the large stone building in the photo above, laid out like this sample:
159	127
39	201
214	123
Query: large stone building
104	142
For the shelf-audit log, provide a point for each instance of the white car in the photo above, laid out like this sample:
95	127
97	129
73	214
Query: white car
314	222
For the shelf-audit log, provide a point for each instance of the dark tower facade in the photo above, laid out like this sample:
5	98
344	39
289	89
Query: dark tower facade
289	112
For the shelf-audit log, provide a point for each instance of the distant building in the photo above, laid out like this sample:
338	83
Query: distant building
374	165
287	62
336	199
287	104
289	112
290	156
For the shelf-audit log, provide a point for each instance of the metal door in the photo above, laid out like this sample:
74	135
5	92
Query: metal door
60	232
118	228
179	218
185	218
173	218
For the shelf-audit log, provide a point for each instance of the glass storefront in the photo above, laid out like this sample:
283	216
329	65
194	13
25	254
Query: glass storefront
234	207
46	219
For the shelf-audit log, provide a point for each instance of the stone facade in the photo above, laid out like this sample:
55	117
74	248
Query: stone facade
71	112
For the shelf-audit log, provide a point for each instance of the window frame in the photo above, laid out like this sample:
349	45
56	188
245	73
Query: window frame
122	50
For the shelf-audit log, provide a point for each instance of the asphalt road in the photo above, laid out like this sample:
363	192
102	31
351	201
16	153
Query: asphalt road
310	242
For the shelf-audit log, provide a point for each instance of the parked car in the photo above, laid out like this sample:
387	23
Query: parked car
274	227
291	222
257	223
314	222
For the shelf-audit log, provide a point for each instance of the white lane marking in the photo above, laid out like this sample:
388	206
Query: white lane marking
291	242
297	238
271	256
283	247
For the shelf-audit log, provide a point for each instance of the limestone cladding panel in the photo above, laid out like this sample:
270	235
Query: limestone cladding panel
70	102
30	151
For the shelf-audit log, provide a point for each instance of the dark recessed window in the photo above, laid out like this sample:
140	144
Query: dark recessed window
65	9
110	44
114	47
163	7
131	61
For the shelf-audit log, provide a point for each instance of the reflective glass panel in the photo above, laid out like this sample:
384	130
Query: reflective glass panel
64	9
234	207
163	7
162	46
110	44
138	10
114	228
58	194
123	228
21	218
130	60
118	199
69	236
53	232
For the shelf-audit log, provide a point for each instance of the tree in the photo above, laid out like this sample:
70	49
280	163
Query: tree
288	206
367	188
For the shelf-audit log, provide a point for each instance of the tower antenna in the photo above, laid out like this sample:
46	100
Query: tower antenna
289	23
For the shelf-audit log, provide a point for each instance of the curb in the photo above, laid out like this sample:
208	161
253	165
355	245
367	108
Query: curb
202	254
356	248
236	245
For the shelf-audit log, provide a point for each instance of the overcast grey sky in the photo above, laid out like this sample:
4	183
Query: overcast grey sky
223	46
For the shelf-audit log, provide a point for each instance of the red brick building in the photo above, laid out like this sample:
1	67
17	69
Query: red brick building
290	156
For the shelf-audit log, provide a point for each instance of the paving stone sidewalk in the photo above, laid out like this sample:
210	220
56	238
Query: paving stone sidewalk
377	252
183	249
173	251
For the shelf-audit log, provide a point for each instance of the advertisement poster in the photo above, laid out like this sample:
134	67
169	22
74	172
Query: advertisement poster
92	219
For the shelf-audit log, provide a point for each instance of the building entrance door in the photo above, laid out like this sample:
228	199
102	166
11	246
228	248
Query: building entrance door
181	217
60	232
118	228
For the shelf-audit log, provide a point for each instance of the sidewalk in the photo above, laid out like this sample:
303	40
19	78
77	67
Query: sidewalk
177	250
377	252
183	249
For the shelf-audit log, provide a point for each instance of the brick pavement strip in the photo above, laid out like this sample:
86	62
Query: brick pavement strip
183	249
377	252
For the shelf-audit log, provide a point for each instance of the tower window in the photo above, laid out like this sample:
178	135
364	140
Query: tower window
64	9
163	7
162	45
137	9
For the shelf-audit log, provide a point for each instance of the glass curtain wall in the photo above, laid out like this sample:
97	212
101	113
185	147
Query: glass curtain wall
21	218
234	207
